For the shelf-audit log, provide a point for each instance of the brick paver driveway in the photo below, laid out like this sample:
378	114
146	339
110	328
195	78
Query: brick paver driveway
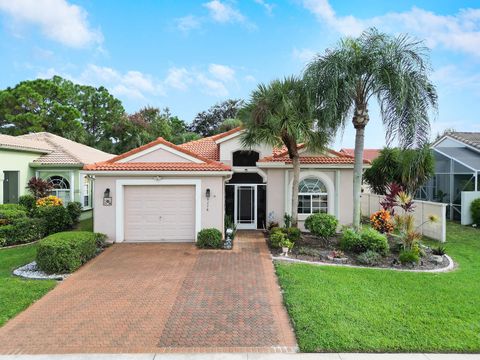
160	297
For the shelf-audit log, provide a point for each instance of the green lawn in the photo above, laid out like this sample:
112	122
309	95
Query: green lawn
17	294
85	225
340	309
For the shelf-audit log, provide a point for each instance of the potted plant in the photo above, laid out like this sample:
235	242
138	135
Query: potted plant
337	256
286	246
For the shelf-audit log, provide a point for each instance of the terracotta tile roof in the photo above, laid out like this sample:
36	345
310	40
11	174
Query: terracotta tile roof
113	164
19	143
311	159
368	154
469	138
157	166
64	151
207	146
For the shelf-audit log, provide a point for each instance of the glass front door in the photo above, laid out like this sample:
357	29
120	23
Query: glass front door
245	207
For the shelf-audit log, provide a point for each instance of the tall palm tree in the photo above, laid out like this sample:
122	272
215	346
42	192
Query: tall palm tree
395	71
282	113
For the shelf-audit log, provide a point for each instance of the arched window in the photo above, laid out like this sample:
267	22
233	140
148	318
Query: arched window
60	187
245	158
312	196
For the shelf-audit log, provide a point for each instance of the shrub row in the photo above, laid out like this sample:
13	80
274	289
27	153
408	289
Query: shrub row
366	239
65	252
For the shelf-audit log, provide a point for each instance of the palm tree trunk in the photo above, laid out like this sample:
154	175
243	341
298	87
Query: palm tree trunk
296	180
360	120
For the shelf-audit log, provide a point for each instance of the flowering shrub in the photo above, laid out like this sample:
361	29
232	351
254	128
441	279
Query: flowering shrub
381	221
49	201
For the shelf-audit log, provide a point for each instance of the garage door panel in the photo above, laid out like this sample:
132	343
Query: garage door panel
159	213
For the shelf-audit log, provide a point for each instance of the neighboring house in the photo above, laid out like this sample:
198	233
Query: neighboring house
368	154
50	157
166	192
457	168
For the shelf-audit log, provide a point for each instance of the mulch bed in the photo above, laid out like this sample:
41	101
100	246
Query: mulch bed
312	248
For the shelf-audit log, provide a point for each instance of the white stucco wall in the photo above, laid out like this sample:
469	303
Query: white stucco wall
212	210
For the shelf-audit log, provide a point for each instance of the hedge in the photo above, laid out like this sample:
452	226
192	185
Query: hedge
22	231
209	239
65	252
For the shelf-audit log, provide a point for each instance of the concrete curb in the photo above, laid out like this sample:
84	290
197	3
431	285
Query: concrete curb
449	267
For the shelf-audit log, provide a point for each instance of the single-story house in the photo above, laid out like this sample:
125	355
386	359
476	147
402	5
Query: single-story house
368	154
50	157
166	192
457	170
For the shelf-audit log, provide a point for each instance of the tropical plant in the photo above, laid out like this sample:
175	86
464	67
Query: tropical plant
393	165
395	71
282	114
50	200
439	250
38	187
381	221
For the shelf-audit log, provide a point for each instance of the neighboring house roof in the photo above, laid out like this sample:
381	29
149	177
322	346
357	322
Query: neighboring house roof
208	146
64	151
115	164
18	143
469	138
368	154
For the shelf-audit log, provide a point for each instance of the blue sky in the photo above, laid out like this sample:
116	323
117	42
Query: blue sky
188	55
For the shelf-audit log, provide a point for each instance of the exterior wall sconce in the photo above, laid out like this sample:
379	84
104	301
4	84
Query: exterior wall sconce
207	194
107	199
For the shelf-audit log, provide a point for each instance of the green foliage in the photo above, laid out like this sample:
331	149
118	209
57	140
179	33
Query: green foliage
285	243
367	239
439	250
207	123
10	212
409	257
22	230
370	258
410	168
475	211
57	218
287	220
229	124
308	251
293	234
28	202
322	225
74	209
65	252
277	237
209	239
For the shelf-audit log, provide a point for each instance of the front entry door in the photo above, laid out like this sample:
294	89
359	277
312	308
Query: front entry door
245	206
10	187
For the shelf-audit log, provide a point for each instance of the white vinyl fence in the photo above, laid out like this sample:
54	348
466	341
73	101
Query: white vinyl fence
422	210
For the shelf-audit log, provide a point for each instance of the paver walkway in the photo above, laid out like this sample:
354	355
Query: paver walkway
154	298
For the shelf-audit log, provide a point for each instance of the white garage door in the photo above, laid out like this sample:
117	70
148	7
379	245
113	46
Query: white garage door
160	213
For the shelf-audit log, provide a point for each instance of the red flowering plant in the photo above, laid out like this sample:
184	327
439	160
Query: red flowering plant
381	221
391	197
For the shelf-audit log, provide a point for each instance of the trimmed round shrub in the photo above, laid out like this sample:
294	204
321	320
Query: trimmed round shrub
293	234
277	238
367	239
370	258
475	211
209	239
409	257
28	202
57	218
65	252
322	225
374	241
74	210
22	231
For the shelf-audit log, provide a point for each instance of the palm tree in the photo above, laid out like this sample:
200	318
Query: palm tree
395	71
282	113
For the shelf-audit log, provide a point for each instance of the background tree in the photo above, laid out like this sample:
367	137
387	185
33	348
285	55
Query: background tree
394	165
282	113
395	71
229	124
207	123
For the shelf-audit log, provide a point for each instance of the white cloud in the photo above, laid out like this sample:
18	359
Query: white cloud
222	72
223	12
187	23
211	87
304	55
459	32
58	20
267	6
178	78
250	78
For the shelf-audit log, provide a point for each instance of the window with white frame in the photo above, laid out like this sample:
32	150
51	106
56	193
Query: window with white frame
87	188
60	187
312	196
